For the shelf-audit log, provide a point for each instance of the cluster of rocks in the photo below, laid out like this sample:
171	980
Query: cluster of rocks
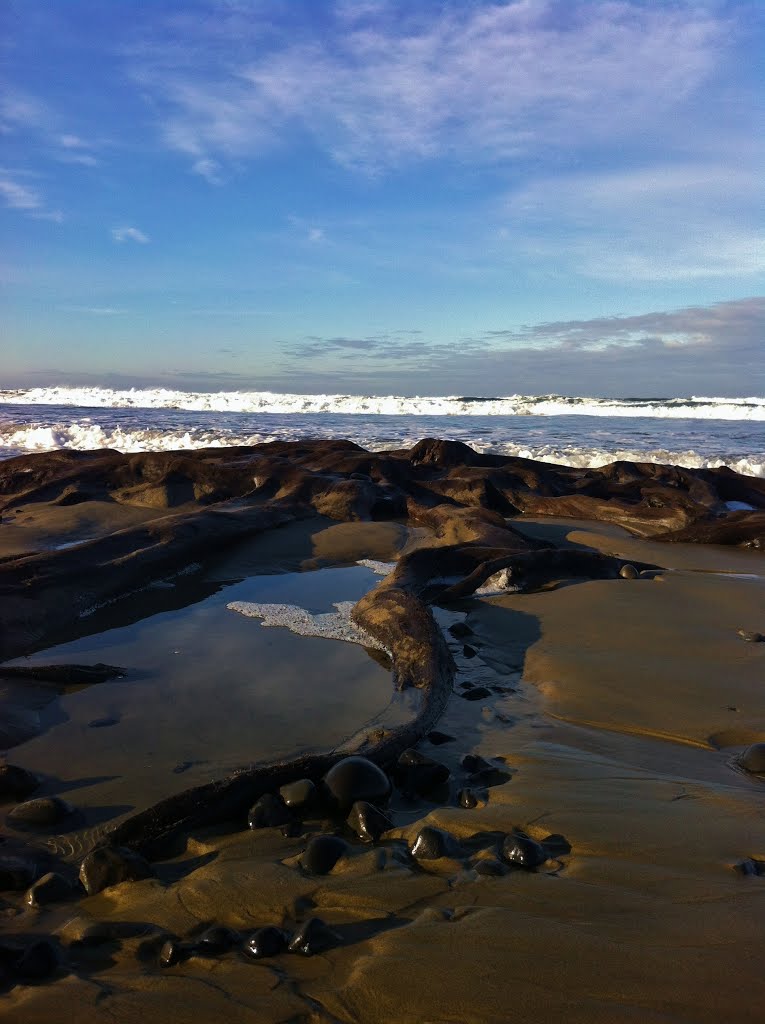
312	937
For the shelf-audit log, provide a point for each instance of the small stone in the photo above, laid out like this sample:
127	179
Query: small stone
475	763
753	758
299	795
49	889
263	942
356	778
102	723
629	572
477	693
417	773
171	953
751	867
489	866
84	931
269	811
523	852
217	939
315	936
368	821
556	845
322	853
437	738
40	813
751	636
468	651
36	962
432	843
110	866
459	630
16	873
466	798
16	783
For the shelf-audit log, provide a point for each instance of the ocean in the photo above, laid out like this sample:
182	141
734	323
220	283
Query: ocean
573	431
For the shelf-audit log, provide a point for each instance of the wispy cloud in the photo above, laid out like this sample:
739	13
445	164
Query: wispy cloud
129	234
390	83
94	310
20	196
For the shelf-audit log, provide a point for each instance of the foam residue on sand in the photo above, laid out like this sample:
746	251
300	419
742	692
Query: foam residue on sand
336	625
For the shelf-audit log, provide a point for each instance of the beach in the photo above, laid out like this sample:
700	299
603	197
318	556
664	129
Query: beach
577	646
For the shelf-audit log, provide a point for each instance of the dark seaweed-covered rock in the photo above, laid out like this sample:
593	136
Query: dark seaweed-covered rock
753	758
299	795
40	813
431	843
49	889
269	811
16	783
111	865
368	821
466	798
522	852
16	873
356	778
263	942
315	936
217	939
322	853
419	774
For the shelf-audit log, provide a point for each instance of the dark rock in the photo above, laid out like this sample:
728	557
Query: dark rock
292	829
368	821
315	936
459	630
104	723
322	853
263	942
40	813
753	758
523	852
299	795
16	783
16	873
49	889
751	867
477	693
419	774
629	572
432	843
473	763
437	738
110	866
217	939
269	812
466	798
556	845
171	953
750	636
36	962
356	778
468	651
489	866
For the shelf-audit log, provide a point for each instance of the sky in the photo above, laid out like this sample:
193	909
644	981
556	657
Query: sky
383	197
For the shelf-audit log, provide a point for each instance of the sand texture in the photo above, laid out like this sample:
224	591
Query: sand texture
577	648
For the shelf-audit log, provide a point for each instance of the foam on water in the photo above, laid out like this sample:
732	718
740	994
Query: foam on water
337	625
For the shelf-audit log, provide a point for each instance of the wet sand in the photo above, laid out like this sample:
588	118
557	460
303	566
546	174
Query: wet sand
624	704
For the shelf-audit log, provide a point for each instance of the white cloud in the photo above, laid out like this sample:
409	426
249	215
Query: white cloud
22	197
484	82
128	234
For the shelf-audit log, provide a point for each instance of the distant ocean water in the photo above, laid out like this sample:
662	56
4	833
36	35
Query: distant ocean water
569	430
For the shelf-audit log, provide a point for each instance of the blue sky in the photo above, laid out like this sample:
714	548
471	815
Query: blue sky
383	197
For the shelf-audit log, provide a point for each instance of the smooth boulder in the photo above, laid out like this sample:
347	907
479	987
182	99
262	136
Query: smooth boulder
368	821
356	778
112	865
322	853
40	813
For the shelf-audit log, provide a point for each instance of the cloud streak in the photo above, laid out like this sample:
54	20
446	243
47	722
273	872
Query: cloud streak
129	234
19	196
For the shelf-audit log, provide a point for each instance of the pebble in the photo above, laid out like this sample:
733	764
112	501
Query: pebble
466	798
40	813
753	758
468	651
368	821
629	572
217	939
36	962
299	795
322	853
523	852
459	630
171	953
110	866
431	843
477	693
751	867
16	873
49	889
263	942
315	936
16	783
356	778
269	812
437	738
489	866
418	773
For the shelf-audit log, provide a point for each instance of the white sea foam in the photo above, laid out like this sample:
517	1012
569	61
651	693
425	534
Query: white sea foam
695	407
337	625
